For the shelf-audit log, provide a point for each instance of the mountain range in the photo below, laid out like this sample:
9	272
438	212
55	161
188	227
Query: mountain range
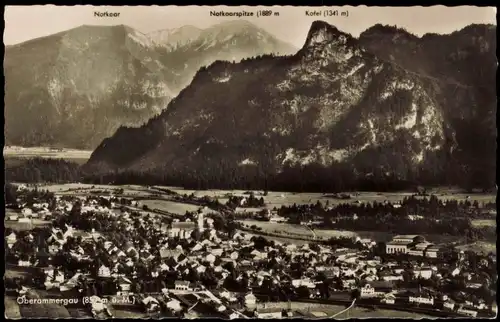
75	88
386	105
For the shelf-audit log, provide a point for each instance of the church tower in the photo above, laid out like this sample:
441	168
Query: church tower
200	221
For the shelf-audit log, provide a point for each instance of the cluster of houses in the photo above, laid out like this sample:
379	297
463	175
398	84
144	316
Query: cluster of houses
387	293
356	269
24	219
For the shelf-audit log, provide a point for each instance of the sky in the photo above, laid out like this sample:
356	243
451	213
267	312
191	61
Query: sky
23	23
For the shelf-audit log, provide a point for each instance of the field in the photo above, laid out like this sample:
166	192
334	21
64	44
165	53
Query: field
359	313
327	310
18	226
79	156
282	240
11	308
247	210
51	311
82	188
480	247
121	312
287	232
297	230
169	206
290	231
16	271
277	199
484	222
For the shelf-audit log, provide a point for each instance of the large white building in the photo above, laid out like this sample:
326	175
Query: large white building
414	245
402	243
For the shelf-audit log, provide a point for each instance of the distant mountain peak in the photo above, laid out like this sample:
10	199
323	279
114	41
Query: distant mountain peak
86	81
175	36
377	106
236	24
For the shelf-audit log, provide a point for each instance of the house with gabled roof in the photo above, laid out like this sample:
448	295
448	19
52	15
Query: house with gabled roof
11	239
421	298
124	285
207	242
376	288
258	254
182	286
104	271
388	298
198	246
151	304
250	300
422	272
53	278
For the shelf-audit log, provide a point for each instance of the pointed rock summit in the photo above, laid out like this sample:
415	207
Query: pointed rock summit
324	33
325	44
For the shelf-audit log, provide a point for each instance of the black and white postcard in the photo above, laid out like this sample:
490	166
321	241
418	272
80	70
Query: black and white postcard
250	162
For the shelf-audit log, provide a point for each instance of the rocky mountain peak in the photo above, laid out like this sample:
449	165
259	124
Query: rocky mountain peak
322	33
325	44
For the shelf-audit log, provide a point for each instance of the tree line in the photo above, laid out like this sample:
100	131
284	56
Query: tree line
413	215
309	178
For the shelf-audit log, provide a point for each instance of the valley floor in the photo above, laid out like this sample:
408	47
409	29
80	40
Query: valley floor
155	198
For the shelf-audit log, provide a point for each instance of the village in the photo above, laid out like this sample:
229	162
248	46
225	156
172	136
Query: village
102	256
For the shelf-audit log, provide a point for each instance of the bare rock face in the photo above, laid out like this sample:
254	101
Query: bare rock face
336	103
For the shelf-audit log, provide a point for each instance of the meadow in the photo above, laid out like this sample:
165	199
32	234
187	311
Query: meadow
12	272
484	222
281	240
19	226
480	247
169	206
83	188
328	310
286	231
290	231
275	198
12	310
50	311
278	199
15	155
